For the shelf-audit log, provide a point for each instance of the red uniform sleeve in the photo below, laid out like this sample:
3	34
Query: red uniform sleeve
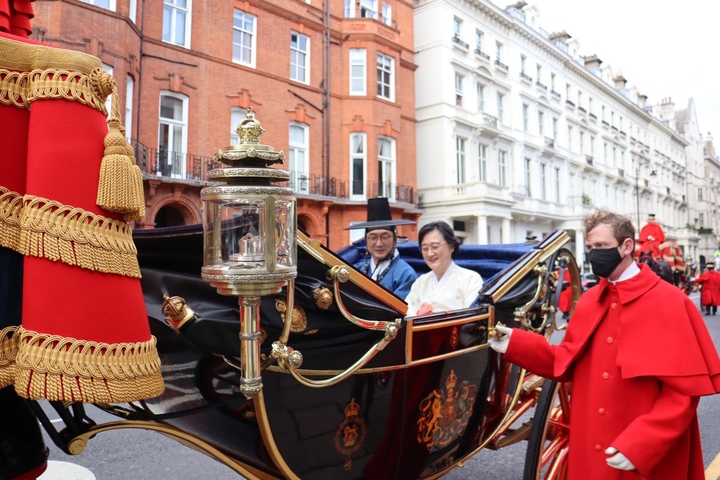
532	352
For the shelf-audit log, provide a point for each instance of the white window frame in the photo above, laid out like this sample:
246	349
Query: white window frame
111	4
171	13
369	9
240	20
386	77
175	159
499	48
387	14
482	162
133	11
129	94
457	27
460	154
386	167
541	122
479	37
459	79
543	181
300	58
500	108
358	71
502	167
480	90
298	157
557	184
528	177
526	117
358	139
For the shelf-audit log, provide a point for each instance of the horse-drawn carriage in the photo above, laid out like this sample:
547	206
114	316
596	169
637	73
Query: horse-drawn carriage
375	395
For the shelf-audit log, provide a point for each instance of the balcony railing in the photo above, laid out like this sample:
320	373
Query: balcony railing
162	164
482	54
541	86
501	65
489	120
555	94
570	103
526	77
364	12
457	40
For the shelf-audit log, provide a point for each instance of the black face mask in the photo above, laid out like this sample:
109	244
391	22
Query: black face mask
604	261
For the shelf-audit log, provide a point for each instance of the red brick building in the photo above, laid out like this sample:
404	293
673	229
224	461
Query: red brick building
331	84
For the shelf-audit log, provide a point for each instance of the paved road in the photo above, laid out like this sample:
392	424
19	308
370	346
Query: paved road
140	455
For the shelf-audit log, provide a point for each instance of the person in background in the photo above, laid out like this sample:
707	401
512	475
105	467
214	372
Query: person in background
382	260
446	286
638	355
651	237
709	281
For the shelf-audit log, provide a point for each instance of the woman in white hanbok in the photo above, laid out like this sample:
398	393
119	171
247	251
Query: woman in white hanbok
446	286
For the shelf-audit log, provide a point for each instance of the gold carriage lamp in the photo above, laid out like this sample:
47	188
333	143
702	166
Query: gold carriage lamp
249	229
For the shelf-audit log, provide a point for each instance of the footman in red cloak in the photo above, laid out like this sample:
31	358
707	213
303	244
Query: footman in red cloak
639	357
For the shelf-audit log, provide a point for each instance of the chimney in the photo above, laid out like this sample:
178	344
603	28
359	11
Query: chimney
592	62
620	81
642	101
559	37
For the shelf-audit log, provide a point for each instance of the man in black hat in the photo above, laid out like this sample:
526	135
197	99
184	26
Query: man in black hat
382	261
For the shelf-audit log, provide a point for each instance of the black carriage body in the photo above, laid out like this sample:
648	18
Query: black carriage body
431	398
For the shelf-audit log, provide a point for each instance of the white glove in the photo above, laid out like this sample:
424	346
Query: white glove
500	345
651	238
618	460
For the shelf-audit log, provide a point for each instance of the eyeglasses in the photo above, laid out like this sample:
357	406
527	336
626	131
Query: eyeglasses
433	247
384	238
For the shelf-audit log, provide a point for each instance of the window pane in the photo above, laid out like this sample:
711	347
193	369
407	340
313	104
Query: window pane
358	180
171	108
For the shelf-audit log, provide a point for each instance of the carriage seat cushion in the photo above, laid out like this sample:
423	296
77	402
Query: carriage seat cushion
487	260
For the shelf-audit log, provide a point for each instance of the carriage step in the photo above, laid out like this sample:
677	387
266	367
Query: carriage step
513	435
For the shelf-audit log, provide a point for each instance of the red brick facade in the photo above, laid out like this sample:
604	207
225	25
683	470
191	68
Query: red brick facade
208	84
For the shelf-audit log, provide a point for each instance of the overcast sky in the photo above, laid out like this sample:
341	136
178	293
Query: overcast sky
664	48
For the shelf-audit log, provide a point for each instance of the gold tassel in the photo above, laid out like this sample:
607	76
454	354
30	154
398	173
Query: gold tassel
8	352
120	187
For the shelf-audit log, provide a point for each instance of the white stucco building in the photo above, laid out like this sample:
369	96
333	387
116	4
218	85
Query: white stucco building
519	134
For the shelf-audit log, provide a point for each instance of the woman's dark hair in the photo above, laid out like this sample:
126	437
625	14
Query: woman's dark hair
445	230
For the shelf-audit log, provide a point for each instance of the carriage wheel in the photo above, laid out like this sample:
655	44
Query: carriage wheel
547	452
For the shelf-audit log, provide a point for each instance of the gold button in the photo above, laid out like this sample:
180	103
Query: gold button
601	411
598	447
606	375
610	339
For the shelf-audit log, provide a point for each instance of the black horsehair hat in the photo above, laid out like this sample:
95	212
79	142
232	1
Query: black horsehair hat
379	216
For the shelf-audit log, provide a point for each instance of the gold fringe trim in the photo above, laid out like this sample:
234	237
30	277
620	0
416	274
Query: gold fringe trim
31	72
43	228
8	352
66	369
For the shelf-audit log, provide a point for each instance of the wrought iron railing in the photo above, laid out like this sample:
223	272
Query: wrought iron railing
167	164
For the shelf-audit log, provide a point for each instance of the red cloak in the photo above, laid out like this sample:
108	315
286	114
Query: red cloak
639	355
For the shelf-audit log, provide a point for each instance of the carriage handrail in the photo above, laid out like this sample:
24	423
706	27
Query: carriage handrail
290	360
